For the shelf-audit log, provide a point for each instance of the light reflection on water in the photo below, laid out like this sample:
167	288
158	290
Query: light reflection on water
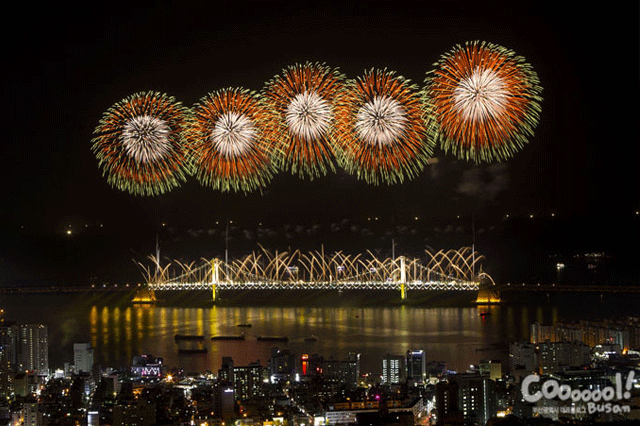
119	330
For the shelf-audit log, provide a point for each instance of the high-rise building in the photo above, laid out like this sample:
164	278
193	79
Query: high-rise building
393	369
224	401
416	366
9	340
225	374
34	348
281	364
447	411
491	368
8	344
345	372
523	360
350	369
30	413
83	357
5	374
540	333
476	398
247	381
556	356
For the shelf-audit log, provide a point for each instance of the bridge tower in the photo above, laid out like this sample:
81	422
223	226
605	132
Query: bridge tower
403	279
487	294
215	278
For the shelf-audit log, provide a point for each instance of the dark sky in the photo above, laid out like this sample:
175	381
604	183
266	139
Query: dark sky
63	68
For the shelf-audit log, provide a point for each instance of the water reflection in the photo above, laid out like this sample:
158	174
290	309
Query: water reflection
441	332
457	335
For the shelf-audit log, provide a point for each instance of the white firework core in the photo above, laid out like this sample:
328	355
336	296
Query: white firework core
381	121
308	115
146	138
481	95
233	134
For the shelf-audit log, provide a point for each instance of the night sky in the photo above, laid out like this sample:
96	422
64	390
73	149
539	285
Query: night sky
573	189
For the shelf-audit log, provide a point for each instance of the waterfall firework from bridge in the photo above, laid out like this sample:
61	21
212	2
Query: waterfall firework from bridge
457	270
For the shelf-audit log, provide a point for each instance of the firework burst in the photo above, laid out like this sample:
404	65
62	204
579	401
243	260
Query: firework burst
140	143
484	101
302	102
230	152
381	132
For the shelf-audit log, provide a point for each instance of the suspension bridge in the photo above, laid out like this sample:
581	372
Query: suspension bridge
452	270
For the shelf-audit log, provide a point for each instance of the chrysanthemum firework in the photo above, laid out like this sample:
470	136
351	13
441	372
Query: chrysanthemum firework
229	150
381	132
302	102
140	143
484	101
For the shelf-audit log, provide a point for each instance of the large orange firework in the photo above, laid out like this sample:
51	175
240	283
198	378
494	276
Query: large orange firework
229	150
302	102
381	132
140	143
484	101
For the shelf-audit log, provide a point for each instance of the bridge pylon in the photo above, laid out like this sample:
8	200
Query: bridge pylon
403	279
215	279
487	294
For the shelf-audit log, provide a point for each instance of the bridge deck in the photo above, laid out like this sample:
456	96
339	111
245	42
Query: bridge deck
319	285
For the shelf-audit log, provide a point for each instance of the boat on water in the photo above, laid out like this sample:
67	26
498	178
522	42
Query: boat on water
273	338
189	337
484	314
235	337
244	325
311	338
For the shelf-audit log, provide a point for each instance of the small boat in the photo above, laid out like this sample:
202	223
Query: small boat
484	314
239	337
244	325
311	338
273	338
192	350
189	337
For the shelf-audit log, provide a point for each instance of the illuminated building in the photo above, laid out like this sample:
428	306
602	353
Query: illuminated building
349	370
541	333
304	364
224	401
281	364
9	341
247	381
393	369
145	365
491	368
312	366
30	414
225	374
625	333
348	412
34	349
476	398
556	356
344	372
82	357
416	366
